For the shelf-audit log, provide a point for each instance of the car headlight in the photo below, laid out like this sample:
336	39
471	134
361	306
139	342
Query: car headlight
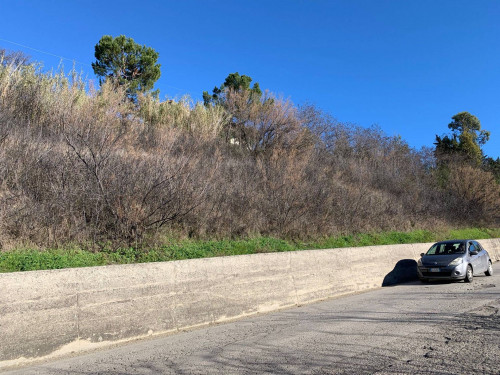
456	262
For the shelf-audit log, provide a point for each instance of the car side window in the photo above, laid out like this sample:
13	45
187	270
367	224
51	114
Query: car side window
478	246
472	247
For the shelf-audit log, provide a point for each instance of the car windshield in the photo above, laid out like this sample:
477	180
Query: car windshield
445	248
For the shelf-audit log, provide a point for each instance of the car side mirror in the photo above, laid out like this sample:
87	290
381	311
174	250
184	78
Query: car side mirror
422	254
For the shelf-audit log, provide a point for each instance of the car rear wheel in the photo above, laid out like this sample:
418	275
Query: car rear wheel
469	275
489	271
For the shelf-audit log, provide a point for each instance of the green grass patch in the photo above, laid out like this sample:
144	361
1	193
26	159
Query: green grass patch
26	259
475	233
30	259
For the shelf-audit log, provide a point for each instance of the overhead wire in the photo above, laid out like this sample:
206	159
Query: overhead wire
41	51
72	60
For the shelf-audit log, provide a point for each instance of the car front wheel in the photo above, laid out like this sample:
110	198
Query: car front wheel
469	275
489	271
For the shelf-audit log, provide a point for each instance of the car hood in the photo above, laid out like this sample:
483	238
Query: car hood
439	260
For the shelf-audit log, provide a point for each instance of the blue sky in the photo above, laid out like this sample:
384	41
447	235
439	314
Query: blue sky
404	65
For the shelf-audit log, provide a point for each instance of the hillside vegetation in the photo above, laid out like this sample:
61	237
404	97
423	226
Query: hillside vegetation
88	166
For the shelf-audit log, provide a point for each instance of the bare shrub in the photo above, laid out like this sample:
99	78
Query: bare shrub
89	166
13	58
260	125
478	196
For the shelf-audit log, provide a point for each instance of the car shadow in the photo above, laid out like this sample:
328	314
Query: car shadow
404	271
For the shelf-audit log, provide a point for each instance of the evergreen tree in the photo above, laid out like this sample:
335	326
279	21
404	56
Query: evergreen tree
234	82
125	62
465	141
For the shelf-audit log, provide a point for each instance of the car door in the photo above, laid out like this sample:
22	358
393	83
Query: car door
475	259
483	256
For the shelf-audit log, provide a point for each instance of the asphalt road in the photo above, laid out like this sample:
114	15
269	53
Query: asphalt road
413	328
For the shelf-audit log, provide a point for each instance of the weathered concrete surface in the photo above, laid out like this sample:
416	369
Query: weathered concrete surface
493	247
47	313
413	328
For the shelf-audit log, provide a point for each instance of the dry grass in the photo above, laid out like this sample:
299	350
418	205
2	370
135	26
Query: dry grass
88	166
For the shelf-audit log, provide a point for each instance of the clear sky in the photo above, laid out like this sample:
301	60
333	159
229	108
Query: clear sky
405	65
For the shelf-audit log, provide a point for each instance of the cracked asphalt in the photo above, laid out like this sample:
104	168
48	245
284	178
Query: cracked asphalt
412	328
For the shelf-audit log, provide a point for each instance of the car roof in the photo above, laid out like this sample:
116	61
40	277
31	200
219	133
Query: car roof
453	241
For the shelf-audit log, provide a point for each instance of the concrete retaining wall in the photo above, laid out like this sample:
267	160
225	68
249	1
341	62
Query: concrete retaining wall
50	313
